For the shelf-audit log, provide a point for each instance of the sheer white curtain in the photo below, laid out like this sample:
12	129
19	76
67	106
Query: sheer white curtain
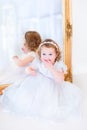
19	16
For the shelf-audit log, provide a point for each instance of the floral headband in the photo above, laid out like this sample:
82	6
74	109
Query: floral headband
48	42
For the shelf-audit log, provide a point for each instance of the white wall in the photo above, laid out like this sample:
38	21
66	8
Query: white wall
79	40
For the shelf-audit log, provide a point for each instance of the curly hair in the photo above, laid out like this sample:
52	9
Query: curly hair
49	43
33	40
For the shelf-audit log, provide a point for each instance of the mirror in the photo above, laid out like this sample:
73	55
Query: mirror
50	18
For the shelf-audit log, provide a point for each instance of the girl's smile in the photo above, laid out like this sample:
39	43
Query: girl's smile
48	55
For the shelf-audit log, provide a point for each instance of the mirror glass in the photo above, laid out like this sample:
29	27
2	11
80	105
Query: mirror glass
19	16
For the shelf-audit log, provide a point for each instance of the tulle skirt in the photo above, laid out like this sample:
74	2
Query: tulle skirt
12	75
41	96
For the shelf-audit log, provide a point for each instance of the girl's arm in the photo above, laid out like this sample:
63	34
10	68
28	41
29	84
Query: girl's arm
30	70
24	61
57	74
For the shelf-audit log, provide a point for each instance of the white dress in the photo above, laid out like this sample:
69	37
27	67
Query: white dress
40	96
14	72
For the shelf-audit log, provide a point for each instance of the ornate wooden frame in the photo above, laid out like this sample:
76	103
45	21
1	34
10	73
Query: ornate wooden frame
67	39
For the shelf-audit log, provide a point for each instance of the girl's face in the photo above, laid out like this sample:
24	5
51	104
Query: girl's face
25	48
48	55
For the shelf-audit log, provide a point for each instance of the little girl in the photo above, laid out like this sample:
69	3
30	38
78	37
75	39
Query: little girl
16	71
32	41
44	93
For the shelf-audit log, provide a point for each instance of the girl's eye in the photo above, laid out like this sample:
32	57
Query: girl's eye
50	54
44	54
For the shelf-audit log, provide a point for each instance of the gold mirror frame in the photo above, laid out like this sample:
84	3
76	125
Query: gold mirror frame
68	39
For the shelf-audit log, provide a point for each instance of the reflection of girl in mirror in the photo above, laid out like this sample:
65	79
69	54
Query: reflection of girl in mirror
32	41
44	93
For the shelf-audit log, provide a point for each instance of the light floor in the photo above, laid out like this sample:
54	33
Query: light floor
10	122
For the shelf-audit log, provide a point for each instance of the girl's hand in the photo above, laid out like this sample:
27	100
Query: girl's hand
48	64
30	71
15	57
